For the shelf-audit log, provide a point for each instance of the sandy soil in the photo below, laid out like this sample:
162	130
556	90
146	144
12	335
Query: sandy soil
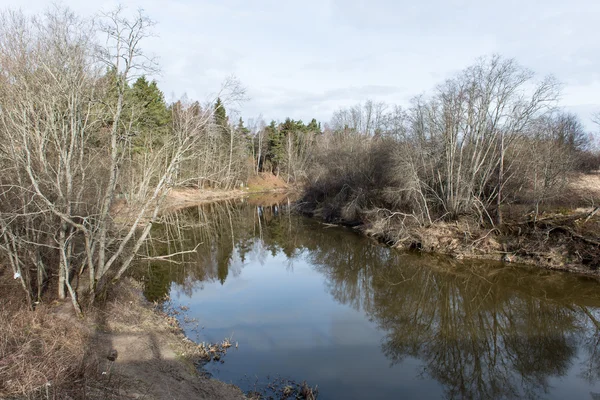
587	186
262	185
140	352
179	198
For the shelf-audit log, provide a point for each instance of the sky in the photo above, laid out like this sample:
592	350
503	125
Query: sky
305	59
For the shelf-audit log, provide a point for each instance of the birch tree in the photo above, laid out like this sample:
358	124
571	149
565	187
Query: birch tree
67	149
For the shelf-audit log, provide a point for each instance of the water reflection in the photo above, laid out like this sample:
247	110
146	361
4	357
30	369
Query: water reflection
481	330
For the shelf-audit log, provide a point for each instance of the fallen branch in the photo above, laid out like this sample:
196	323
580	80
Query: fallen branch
165	257
591	214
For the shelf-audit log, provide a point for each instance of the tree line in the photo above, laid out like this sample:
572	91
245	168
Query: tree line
89	149
491	136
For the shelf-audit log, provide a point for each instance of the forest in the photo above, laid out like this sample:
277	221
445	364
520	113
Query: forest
84	129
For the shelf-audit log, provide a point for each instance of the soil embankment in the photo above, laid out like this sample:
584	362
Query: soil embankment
558	238
124	348
566	242
263	185
150	357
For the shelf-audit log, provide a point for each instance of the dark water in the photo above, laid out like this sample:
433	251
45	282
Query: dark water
310	302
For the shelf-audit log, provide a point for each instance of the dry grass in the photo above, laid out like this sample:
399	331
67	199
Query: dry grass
51	354
264	182
187	197
587	186
41	354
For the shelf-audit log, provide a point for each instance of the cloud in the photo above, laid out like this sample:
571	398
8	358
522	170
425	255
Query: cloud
305	59
316	104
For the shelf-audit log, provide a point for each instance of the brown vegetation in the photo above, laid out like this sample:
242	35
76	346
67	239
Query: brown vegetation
124	348
486	152
266	182
187	197
41	355
262	186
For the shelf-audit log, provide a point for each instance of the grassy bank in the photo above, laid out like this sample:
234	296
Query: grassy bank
125	347
263	184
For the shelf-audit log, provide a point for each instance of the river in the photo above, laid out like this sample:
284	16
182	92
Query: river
307	301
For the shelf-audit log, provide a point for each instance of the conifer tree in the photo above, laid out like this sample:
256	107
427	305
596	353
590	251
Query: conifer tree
314	126
221	118
154	113
241	129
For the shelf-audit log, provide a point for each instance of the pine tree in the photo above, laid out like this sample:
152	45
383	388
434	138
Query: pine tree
314	126
275	148
241	129
221	118
151	116
154	113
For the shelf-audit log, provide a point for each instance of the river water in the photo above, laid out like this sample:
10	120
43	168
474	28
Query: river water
306	301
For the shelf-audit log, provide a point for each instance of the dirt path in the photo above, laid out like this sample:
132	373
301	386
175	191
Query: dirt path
142	353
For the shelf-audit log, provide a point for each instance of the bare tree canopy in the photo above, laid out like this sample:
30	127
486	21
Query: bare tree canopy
68	124
491	135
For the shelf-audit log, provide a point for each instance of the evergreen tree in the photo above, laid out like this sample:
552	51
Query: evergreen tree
313	126
154	113
241	129
275	148
221	118
147	110
291	126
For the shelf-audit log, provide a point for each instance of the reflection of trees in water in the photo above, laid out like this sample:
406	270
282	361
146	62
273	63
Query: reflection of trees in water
591	362
476	349
228	233
481	331
349	268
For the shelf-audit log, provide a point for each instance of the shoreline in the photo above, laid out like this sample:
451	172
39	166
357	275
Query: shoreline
514	243
180	198
517	243
154	359
520	242
123	348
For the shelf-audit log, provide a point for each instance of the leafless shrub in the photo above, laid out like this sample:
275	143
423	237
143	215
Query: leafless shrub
487	137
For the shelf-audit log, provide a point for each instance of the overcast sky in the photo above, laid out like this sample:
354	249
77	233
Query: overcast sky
305	59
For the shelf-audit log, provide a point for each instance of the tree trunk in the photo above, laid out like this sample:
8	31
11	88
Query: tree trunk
500	182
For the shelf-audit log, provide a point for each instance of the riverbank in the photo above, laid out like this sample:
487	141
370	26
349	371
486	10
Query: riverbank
124	348
558	238
560	241
50	353
262	185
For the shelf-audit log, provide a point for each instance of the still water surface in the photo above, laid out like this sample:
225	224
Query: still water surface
322	304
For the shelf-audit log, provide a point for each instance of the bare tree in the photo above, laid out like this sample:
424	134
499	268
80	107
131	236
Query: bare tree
366	119
473	121
75	195
460	151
